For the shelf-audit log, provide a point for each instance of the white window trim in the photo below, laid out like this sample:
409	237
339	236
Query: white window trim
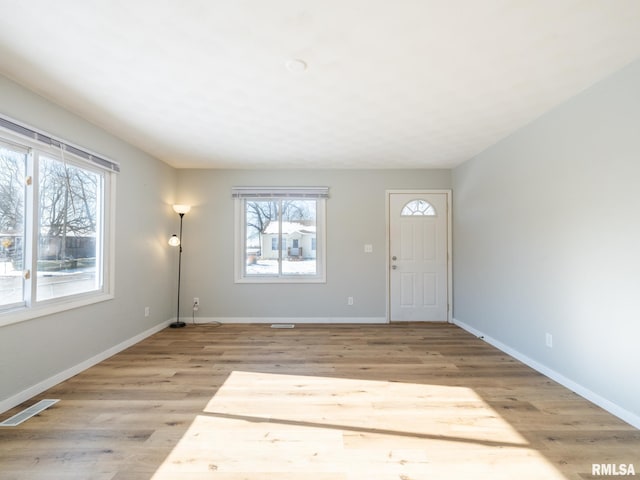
239	255
56	305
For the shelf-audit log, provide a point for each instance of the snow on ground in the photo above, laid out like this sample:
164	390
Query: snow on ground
270	267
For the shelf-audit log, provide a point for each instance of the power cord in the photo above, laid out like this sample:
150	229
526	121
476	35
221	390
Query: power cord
194	309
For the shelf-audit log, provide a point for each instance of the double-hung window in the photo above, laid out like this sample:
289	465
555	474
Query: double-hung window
54	224
280	234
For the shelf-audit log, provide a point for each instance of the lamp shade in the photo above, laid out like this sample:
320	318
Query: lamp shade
182	209
174	241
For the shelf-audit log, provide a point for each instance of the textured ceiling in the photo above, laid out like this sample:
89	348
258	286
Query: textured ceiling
389	84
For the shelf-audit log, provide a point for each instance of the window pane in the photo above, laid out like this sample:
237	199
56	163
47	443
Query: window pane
262	237
280	237
418	208
299	232
69	226
12	204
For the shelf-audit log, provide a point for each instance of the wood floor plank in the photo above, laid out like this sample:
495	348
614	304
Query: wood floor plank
317	402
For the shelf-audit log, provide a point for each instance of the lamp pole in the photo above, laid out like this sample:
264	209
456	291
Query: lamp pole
178	323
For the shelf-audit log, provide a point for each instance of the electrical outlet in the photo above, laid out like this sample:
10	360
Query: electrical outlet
549	340
349	300
196	301
147	311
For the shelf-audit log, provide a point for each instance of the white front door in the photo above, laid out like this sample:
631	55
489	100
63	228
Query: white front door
418	257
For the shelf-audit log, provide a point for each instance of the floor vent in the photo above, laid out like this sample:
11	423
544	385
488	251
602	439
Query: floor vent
283	325
27	413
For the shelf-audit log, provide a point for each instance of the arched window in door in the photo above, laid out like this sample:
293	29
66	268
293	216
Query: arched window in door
418	208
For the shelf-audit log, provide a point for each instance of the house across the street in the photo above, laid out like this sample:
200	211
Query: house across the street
298	241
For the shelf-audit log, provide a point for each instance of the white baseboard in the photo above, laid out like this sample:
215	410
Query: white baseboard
321	320
623	414
40	387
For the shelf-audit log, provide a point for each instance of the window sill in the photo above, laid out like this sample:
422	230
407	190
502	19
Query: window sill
28	313
285	280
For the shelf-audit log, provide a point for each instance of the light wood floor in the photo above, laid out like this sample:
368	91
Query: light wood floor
402	402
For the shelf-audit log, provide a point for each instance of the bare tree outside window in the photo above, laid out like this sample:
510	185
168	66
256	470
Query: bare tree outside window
68	229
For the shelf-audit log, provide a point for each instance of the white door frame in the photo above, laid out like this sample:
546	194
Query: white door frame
449	248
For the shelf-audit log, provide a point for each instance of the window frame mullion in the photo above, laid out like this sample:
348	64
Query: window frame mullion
280	237
31	229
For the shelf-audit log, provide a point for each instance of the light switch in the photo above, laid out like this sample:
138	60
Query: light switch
368	248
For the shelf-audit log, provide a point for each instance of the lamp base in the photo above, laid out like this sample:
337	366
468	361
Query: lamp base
177	324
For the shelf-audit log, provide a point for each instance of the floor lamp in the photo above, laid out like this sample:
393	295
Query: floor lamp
176	241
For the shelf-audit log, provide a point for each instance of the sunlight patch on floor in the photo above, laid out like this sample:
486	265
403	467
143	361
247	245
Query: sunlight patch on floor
262	425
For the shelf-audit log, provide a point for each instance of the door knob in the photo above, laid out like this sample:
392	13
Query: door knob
394	258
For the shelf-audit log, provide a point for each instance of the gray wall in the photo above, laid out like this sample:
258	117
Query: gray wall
355	216
547	240
35	350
